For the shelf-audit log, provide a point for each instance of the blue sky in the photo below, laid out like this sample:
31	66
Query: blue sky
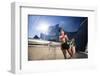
40	23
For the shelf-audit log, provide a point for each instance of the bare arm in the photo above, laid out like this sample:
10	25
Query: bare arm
60	38
66	37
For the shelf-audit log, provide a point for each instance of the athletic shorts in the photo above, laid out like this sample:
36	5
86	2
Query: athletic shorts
64	46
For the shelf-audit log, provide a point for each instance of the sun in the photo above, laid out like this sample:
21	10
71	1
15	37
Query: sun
43	27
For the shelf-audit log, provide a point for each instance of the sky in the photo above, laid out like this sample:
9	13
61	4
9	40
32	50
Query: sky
39	23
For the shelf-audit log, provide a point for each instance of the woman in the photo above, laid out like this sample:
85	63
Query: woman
65	46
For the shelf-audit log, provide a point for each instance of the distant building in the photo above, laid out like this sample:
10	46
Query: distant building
43	36
53	33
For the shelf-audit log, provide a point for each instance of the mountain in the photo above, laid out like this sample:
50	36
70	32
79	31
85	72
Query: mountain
36	37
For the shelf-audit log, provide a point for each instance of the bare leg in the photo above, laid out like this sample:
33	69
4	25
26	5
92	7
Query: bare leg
73	50
70	52
64	53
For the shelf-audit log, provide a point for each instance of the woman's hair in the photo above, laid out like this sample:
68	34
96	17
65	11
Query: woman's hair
63	31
